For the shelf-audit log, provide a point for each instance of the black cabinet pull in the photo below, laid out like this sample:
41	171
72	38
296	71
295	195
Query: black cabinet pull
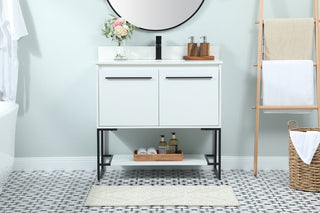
190	77
127	78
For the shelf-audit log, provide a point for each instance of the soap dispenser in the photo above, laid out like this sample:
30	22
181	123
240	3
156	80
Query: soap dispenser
204	47
192	47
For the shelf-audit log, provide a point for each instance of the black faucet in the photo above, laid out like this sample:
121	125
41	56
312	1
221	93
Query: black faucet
158	48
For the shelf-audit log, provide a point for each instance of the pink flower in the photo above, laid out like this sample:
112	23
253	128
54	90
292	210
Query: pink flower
116	23
122	20
124	32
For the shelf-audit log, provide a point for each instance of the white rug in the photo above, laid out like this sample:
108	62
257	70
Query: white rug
101	195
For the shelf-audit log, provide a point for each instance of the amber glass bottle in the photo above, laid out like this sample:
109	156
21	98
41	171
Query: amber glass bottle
173	144
162	145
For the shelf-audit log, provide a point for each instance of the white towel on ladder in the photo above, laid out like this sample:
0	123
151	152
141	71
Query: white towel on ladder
287	82
305	143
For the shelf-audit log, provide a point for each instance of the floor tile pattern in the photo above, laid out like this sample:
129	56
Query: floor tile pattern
66	191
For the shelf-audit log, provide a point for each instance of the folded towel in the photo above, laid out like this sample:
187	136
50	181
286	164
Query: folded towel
305	143
151	151
287	82
142	151
288	39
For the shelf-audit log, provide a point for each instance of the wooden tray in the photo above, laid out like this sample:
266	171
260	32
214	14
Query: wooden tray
198	57
158	157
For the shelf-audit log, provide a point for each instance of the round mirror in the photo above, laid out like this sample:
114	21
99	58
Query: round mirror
156	14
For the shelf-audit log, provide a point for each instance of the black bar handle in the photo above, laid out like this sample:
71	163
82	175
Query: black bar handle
190	77
127	78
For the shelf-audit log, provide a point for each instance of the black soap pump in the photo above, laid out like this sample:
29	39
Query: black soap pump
158	48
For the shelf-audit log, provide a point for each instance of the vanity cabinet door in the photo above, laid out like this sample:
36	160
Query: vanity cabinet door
128	96
189	96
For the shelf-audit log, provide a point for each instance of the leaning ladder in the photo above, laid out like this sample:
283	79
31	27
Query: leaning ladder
258	107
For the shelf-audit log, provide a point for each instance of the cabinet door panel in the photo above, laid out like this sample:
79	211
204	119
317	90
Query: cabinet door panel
189	96
128	96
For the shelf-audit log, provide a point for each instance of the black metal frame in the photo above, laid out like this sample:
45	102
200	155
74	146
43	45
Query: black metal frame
216	152
101	156
114	10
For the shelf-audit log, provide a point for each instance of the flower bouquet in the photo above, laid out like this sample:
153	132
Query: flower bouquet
119	30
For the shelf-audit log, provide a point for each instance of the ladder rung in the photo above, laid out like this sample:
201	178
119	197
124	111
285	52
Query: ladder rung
293	107
257	22
314	64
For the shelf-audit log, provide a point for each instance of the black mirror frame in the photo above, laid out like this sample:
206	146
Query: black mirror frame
164	28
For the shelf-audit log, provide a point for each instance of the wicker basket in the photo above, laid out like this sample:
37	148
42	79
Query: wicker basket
158	157
303	176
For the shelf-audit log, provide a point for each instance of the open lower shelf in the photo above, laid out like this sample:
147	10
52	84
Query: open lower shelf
188	160
210	159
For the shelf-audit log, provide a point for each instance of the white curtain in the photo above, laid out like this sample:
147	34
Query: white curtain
12	28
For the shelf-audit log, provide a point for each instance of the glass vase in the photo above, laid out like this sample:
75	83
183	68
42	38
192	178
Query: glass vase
120	51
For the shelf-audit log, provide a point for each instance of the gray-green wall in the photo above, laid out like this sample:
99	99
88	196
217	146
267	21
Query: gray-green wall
57	78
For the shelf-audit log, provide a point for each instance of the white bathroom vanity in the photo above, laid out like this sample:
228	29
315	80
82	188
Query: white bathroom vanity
145	93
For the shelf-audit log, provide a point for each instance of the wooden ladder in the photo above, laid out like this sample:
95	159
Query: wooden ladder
258	107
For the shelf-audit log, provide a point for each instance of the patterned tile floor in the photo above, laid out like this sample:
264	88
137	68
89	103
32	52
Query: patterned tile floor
66	191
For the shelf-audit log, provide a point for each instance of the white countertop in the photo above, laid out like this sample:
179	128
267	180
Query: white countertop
145	55
159	62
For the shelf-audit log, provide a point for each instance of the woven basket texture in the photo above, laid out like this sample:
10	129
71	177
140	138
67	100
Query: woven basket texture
301	175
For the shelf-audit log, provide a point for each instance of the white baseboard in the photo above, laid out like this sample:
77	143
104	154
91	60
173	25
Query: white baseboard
246	162
55	163
89	163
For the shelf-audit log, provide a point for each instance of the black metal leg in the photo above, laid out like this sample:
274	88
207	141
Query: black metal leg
215	149
98	154
219	155
102	152
216	156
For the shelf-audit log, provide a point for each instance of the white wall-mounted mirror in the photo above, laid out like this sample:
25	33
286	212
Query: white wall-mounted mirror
156	14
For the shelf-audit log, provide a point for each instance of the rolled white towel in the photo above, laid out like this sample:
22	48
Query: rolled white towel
142	151
151	151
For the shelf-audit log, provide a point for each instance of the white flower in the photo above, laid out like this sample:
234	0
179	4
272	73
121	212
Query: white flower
125	27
